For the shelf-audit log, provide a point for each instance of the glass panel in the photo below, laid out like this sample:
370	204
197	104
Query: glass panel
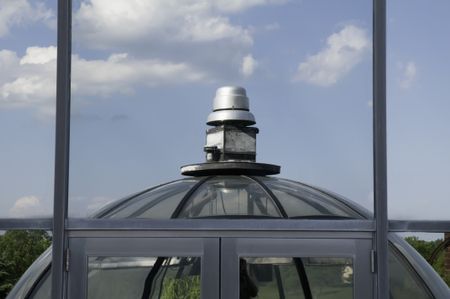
27	107
158	203
228	196
144	277
282	277
141	92
43	289
300	201
330	277
418	89
404	282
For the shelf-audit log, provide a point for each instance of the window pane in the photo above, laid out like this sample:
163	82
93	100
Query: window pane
300	201
330	277
43	289
141	93
27	107
158	203
281	277
228	197
404	282
144	277
418	107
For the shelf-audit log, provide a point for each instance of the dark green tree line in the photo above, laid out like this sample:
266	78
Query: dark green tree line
18	250
426	248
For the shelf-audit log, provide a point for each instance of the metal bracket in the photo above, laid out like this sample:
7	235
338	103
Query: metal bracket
67	260
373	259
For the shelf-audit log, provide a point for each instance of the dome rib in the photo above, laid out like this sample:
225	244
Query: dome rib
270	193
188	195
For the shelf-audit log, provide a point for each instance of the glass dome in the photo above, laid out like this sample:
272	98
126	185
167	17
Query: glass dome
232	196
282	275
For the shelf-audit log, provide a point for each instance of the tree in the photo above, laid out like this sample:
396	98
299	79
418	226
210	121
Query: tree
18	250
425	248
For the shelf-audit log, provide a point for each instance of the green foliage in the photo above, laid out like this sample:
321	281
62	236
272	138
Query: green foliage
426	248
18	249
187	287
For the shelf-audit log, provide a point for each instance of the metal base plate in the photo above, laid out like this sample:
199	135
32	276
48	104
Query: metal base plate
219	168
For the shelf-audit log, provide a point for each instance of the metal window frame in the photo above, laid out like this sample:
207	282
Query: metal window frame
63	227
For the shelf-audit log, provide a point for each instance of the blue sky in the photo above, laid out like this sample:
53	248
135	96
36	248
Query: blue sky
145	73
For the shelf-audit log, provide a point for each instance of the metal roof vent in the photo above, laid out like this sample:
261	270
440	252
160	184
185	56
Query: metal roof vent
231	144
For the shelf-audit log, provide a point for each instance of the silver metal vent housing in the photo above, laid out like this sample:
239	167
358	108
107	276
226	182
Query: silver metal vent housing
231	106
231	143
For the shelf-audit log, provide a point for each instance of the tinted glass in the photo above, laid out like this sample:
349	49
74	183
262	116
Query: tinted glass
43	289
404	281
280	277
300	201
144	277
226	196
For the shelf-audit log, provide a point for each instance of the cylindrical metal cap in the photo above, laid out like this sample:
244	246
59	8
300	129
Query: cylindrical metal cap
231	97
231	105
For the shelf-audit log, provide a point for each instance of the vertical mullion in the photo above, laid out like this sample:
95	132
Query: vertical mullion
60	204
379	145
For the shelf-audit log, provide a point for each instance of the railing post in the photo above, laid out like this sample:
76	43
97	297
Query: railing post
60	204
379	145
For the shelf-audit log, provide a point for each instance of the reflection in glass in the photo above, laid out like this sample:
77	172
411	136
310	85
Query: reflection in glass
418	122
157	203
144	277
228	197
141	92
301	201
27	107
404	281
285	277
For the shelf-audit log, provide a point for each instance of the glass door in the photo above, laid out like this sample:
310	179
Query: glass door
150	268
296	268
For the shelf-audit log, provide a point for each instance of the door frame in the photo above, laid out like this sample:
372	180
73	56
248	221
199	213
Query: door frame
83	248
358	249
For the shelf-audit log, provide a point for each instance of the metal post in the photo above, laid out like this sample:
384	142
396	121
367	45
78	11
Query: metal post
379	146
60	204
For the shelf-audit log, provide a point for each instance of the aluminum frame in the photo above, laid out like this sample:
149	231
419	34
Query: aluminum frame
205	248
62	226
380	149
62	147
83	224
356	249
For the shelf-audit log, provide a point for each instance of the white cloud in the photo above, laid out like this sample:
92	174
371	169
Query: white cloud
28	206
30	81
196	31
119	73
249	64
153	22
20	12
239	5
344	50
85	206
409	74
39	55
142	42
